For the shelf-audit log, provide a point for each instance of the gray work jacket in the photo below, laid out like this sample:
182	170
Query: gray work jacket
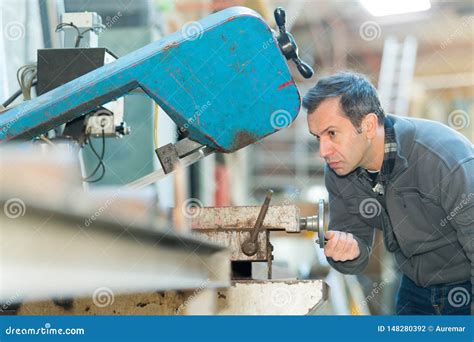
426	213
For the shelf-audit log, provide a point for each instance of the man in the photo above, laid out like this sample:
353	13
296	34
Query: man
411	178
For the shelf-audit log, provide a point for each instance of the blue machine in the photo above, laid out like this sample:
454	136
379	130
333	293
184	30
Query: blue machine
224	83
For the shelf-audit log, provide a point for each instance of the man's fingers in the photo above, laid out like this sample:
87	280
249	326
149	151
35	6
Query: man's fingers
348	246
341	246
355	251
332	242
329	235
346	250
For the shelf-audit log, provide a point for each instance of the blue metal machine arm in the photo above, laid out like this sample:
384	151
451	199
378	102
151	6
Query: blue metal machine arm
227	83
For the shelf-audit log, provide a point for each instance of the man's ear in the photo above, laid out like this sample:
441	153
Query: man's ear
369	125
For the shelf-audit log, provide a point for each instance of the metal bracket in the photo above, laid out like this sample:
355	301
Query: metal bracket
170	154
185	152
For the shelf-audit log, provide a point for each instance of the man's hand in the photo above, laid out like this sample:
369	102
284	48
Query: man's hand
341	246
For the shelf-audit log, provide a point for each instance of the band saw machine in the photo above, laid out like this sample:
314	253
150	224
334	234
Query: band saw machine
236	62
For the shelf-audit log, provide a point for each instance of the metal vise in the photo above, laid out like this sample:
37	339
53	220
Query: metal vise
245	230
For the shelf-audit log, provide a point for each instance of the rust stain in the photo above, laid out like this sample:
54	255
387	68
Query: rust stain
286	84
230	19
219	149
242	139
170	46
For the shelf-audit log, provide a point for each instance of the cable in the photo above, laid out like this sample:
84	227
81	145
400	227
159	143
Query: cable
80	34
46	140
155	125
101	161
15	95
11	98
25	76
100	164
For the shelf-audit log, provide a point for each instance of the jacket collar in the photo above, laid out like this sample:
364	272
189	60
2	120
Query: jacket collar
404	139
405	133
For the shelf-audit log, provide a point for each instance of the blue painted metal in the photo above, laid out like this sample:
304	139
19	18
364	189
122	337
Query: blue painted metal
223	83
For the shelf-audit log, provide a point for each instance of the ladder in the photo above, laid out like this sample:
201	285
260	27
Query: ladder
396	74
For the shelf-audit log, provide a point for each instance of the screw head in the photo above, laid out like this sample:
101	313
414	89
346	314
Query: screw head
249	248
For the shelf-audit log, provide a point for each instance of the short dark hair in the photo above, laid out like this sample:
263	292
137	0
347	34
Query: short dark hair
357	96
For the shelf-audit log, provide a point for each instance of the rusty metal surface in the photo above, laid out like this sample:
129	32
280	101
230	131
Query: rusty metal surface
284	217
146	303
268	297
272	297
233	239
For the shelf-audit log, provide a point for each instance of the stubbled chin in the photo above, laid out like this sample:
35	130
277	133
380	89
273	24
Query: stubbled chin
341	172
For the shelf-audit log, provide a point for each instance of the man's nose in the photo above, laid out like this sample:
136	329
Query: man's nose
324	148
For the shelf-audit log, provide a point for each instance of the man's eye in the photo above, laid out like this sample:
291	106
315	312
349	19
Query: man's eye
332	134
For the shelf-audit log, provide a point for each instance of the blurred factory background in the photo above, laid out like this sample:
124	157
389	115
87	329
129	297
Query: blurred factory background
420	61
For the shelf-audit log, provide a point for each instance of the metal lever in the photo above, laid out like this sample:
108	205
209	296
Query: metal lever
250	245
288	44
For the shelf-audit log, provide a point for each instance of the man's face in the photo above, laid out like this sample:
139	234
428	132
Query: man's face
339	143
